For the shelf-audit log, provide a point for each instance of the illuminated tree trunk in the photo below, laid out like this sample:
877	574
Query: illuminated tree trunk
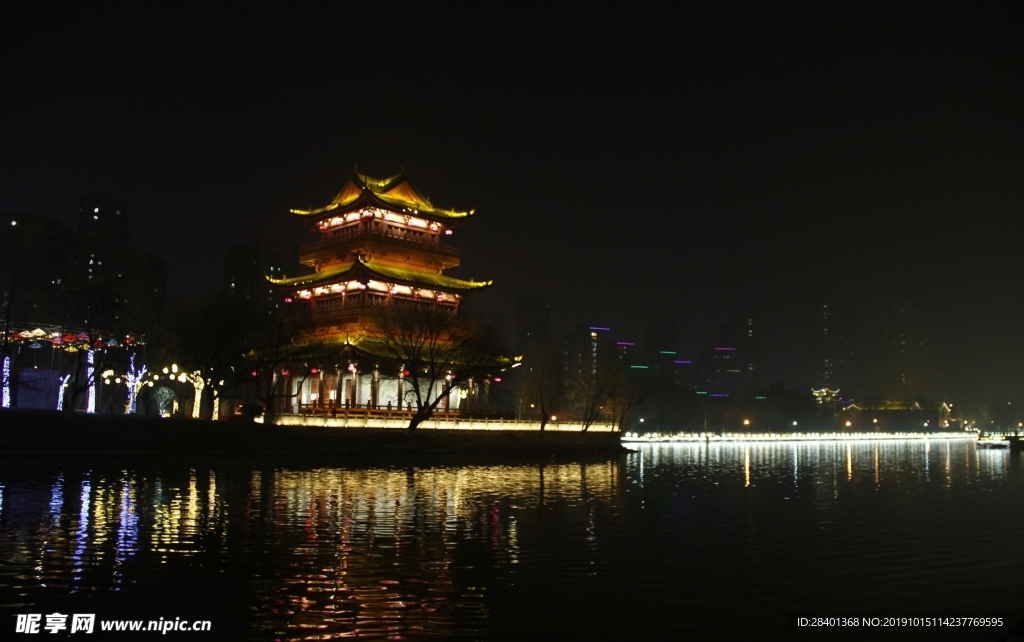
134	380
196	379
90	378
60	391
6	403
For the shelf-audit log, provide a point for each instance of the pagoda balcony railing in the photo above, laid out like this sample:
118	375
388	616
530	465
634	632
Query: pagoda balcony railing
375	235
348	309
332	315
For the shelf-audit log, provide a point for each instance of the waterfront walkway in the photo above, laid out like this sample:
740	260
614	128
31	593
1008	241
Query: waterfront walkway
440	421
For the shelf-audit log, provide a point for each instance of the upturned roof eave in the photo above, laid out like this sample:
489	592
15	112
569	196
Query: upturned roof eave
371	197
362	269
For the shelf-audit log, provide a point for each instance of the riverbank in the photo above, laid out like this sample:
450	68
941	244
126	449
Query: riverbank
634	438
36	432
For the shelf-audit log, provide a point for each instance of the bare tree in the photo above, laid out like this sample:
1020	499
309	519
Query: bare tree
13	278
439	350
606	394
277	342
95	309
542	386
213	342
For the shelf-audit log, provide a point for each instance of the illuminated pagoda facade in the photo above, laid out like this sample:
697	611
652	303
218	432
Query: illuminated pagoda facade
378	240
825	396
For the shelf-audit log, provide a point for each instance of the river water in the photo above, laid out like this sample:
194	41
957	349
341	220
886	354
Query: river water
719	541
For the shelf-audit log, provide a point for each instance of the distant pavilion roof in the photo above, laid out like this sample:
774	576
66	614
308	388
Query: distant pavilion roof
388	273
394	193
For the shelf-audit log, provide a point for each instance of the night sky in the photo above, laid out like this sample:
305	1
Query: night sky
630	164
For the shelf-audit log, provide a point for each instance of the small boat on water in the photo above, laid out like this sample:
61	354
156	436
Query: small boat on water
993	441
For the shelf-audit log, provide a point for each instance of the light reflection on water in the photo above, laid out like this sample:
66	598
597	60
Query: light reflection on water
367	551
640	546
898	460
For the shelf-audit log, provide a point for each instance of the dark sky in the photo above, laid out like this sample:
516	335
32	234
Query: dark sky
629	164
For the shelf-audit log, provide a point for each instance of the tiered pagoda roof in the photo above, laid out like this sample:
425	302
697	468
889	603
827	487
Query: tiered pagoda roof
362	270
393	193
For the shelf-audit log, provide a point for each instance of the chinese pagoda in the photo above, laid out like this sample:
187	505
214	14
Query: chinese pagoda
379	239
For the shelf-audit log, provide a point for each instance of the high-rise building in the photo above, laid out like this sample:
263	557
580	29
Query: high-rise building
627	351
103	237
586	347
533	323
905	350
103	253
246	268
147	280
827	347
661	353
733	366
36	258
748	330
719	371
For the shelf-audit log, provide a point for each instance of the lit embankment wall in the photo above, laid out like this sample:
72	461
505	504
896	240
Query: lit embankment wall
42	432
436	424
632	437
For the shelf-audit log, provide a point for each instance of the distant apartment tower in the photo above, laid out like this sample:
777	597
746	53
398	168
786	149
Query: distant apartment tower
103	252
719	371
103	237
37	254
827	347
661	353
905	350
716	372
626	351
585	348
147	279
246	267
533	323
749	354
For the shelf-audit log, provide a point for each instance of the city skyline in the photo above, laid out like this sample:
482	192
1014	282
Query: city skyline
890	357
767	159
